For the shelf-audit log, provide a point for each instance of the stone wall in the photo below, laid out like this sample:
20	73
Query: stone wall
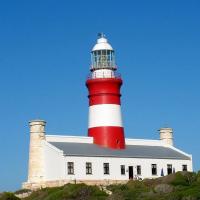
58	183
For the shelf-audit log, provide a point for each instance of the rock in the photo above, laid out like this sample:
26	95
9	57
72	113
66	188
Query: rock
163	188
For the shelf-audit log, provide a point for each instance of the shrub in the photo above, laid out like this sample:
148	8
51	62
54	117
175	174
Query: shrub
83	191
192	192
180	179
8	196
22	191
69	191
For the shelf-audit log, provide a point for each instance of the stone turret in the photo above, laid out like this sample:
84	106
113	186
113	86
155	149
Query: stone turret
36	154
166	135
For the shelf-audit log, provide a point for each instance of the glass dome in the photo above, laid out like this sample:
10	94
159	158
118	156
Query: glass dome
102	55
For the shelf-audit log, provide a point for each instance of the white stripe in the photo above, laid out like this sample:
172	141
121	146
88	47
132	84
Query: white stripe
105	115
103	73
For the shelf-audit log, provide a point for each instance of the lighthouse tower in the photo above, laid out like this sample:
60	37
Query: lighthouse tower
105	120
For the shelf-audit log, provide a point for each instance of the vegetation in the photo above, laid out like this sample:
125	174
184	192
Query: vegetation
21	191
69	191
8	196
179	186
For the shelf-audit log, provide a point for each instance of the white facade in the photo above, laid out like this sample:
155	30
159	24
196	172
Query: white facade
56	166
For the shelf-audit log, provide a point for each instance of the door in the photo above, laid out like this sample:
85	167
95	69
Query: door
130	171
169	169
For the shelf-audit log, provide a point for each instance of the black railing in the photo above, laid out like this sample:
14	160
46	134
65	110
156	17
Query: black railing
101	66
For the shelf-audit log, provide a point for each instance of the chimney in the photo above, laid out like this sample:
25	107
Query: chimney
36	161
166	135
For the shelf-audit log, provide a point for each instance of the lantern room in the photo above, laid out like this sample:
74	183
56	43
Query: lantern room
102	55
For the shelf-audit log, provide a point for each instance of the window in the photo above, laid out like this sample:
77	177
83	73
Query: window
169	169
154	169
122	169
184	168
70	167
106	168
88	168
138	169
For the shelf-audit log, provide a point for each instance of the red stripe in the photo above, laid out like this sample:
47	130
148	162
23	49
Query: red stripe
104	91
104	99
108	136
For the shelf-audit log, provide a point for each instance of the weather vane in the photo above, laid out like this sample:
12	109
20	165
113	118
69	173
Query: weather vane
101	35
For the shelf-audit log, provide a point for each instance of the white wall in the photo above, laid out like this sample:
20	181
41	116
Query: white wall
56	166
68	138
115	172
54	162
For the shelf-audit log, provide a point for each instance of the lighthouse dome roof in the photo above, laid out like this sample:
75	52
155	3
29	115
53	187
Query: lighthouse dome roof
102	44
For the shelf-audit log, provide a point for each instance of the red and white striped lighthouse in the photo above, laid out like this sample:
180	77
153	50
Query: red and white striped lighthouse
105	120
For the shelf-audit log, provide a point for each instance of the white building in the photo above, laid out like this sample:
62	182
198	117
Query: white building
101	159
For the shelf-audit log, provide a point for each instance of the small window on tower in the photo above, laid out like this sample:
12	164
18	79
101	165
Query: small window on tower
122	169
70	167
88	168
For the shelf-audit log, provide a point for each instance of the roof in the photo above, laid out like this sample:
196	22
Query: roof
131	151
102	44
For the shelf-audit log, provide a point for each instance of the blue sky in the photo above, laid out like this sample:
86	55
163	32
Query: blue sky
45	58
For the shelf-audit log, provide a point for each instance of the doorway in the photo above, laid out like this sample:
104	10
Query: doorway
169	169
130	172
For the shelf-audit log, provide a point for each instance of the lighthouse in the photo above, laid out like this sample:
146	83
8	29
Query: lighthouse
105	119
56	160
